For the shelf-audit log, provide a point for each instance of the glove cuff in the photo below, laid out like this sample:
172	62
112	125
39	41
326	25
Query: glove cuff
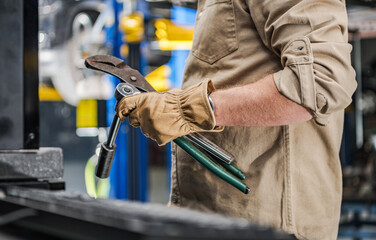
196	109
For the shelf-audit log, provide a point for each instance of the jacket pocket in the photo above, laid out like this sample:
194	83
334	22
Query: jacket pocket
215	31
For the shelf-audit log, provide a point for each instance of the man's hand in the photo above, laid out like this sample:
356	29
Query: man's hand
167	115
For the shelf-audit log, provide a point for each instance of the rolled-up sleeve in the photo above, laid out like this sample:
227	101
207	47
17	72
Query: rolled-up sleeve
310	37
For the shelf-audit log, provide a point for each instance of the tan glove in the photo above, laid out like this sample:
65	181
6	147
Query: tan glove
164	116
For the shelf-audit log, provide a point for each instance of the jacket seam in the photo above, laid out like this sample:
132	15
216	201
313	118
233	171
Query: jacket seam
301	81
290	223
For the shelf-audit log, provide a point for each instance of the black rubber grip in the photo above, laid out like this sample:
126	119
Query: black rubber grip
105	158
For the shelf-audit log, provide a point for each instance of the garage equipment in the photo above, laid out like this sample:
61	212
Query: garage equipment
19	123
22	162
126	74
71	215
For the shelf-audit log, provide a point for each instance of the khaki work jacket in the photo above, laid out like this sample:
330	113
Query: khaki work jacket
293	171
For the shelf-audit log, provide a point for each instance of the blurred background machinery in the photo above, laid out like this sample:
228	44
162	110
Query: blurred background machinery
76	103
155	37
358	219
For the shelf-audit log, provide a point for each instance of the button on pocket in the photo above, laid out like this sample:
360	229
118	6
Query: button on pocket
215	32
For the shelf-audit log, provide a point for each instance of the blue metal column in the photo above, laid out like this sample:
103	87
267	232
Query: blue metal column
118	179
137	147
128	176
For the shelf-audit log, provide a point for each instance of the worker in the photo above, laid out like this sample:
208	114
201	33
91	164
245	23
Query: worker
278	76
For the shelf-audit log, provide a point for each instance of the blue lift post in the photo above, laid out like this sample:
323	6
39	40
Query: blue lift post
117	179
128	177
137	144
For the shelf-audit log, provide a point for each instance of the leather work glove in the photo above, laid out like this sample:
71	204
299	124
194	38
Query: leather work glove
164	116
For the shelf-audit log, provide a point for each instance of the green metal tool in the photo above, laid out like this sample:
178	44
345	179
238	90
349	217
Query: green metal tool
209	164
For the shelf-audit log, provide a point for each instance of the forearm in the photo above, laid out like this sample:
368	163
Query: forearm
256	104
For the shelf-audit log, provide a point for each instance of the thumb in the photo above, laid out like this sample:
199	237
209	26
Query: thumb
126	106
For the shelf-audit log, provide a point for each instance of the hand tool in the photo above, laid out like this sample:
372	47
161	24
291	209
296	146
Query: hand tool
126	74
121	70
211	148
107	152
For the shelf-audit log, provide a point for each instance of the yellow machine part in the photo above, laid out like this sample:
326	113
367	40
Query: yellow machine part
124	50
173	37
159	78
48	94
133	27
87	113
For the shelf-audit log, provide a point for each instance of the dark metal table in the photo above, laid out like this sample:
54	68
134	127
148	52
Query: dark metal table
70	215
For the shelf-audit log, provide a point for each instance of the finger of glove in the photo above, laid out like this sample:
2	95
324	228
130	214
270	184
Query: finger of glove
162	138
133	119
155	133
163	141
126	106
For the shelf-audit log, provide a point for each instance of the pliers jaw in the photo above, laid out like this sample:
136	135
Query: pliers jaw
119	69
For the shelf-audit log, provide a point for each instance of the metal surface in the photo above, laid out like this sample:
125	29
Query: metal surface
77	216
232	169
189	148
359	130
19	118
107	152
114	129
137	166
45	163
30	74
211	148
120	69
105	159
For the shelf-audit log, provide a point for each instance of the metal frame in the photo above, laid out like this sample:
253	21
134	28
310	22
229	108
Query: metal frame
77	216
19	103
